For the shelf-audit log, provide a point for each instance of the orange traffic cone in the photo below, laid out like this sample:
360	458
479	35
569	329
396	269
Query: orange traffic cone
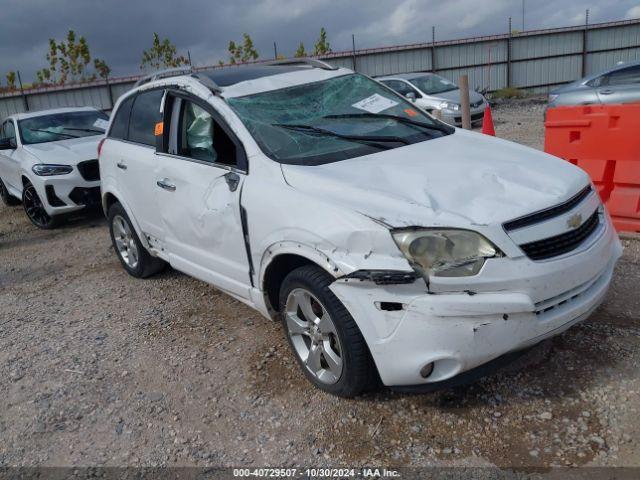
487	123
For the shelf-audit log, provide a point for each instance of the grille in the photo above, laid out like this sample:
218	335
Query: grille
563	243
541	215
476	105
90	170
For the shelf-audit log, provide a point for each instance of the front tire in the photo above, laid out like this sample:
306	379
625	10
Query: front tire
325	339
34	208
8	199
133	256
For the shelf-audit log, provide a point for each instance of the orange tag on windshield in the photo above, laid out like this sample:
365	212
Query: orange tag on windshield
159	130
411	112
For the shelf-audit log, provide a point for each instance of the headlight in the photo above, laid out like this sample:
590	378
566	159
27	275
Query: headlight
449	106
446	252
44	170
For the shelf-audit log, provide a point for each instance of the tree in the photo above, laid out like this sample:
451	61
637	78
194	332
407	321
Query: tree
300	52
322	46
11	80
69	59
242	53
235	52
102	68
248	50
162	54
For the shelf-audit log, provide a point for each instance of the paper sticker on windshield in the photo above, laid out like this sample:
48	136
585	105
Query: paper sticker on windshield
101	123
375	103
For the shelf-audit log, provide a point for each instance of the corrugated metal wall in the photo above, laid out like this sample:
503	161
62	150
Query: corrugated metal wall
535	60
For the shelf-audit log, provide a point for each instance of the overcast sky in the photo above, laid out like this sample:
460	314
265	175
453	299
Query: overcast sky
118	30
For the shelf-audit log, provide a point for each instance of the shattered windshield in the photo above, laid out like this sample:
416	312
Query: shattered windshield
62	126
433	84
331	120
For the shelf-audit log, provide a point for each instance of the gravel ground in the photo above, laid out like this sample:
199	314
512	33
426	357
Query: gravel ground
98	368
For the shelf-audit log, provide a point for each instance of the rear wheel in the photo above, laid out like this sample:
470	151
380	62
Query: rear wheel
7	198
323	336
133	256
34	208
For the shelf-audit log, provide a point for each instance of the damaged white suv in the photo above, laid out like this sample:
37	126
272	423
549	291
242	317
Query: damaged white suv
394	247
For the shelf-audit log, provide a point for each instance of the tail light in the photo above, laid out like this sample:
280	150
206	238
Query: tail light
100	146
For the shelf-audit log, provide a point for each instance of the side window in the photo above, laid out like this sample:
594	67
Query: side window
120	123
598	81
200	137
626	76
399	86
145	113
9	130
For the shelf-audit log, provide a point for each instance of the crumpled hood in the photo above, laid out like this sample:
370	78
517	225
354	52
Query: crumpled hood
462	179
66	152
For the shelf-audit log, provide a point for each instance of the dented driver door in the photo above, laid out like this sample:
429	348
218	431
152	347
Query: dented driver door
198	187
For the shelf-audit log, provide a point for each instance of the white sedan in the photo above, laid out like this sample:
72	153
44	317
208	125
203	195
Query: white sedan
48	161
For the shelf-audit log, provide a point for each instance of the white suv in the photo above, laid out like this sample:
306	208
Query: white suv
394	247
48	160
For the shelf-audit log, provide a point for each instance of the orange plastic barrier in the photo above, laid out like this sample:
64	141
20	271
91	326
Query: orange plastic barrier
603	140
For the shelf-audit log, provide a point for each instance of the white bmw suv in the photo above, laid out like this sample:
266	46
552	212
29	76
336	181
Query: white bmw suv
48	161
394	247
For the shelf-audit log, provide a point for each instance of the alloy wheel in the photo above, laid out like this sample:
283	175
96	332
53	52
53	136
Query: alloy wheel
34	208
314	336
125	242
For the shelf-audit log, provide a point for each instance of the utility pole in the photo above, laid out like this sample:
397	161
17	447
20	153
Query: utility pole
523	15
275	51
24	97
509	56
584	43
353	46
189	58
433	49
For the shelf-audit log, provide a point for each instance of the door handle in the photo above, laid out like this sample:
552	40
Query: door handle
121	165
164	183
608	91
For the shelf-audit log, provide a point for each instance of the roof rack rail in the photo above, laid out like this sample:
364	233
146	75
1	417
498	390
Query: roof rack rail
312	62
170	72
207	82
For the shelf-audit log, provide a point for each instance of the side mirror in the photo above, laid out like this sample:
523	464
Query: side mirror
411	96
8	144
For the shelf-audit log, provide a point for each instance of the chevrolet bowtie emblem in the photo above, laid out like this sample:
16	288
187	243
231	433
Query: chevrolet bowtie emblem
574	221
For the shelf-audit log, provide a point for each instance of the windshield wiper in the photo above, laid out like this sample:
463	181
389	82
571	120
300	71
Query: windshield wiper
53	133
88	130
367	139
408	121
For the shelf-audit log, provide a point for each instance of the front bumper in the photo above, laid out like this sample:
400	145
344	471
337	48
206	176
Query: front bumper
62	194
455	118
458	331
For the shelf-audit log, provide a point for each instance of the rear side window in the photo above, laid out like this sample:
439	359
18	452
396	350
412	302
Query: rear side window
144	116
120	123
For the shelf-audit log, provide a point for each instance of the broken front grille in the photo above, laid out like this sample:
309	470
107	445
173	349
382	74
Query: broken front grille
90	170
563	243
